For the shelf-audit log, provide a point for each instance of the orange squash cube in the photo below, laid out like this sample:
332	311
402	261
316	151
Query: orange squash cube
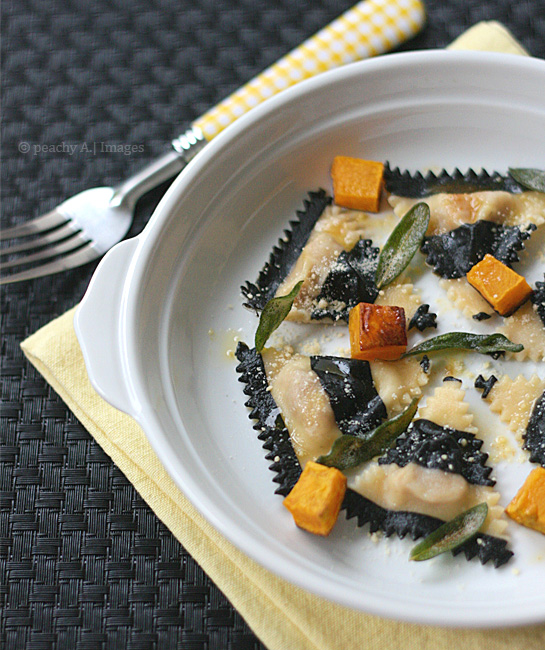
357	183
499	285
377	332
316	498
528	506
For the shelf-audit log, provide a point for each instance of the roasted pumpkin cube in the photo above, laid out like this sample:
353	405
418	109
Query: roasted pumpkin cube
316	498
499	285
528	506
377	332
357	183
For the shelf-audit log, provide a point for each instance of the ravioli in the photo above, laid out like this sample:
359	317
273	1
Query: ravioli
436	467
418	185
350	279
526	327
321	397
451	211
534	437
470	215
398	382
327	250
342	377
538	300
303	403
452	254
520	404
345	379
285	254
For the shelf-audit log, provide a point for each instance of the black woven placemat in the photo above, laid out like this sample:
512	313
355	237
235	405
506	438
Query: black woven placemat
84	563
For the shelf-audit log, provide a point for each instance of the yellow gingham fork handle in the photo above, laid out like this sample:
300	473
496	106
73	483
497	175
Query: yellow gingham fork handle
371	27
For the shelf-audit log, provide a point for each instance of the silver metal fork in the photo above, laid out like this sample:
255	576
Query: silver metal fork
85	226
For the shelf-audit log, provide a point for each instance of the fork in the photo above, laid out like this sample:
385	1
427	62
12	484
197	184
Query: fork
85	226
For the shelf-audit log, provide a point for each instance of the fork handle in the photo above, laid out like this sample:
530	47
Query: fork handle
369	28
184	149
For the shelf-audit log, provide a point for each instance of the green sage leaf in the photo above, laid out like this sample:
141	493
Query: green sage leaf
531	179
451	534
482	343
274	312
350	451
402	244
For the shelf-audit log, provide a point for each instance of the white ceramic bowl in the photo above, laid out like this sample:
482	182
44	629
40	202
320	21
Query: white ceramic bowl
161	310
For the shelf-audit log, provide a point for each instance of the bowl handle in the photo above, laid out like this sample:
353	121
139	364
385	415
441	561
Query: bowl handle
97	322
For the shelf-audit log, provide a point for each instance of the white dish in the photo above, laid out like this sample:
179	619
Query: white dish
162	310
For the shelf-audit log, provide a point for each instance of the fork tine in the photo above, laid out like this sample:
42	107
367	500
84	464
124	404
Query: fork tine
34	226
49	238
65	246
81	256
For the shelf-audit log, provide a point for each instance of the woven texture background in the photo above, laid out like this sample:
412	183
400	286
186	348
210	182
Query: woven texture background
84	563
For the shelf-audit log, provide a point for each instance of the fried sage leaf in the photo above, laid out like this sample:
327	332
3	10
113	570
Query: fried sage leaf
274	312
350	451
531	179
402	244
482	343
451	534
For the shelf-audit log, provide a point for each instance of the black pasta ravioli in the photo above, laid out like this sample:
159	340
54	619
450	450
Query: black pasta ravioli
269	423
285	254
351	279
285	465
348	383
418	185
454	253
538	298
534	437
485	547
430	445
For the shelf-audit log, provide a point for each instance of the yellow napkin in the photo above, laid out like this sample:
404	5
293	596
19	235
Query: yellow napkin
489	36
284	617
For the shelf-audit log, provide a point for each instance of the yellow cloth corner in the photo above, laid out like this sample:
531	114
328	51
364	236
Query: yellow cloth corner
284	617
488	36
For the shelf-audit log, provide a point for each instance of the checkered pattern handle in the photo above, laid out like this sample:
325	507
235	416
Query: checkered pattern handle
371	27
